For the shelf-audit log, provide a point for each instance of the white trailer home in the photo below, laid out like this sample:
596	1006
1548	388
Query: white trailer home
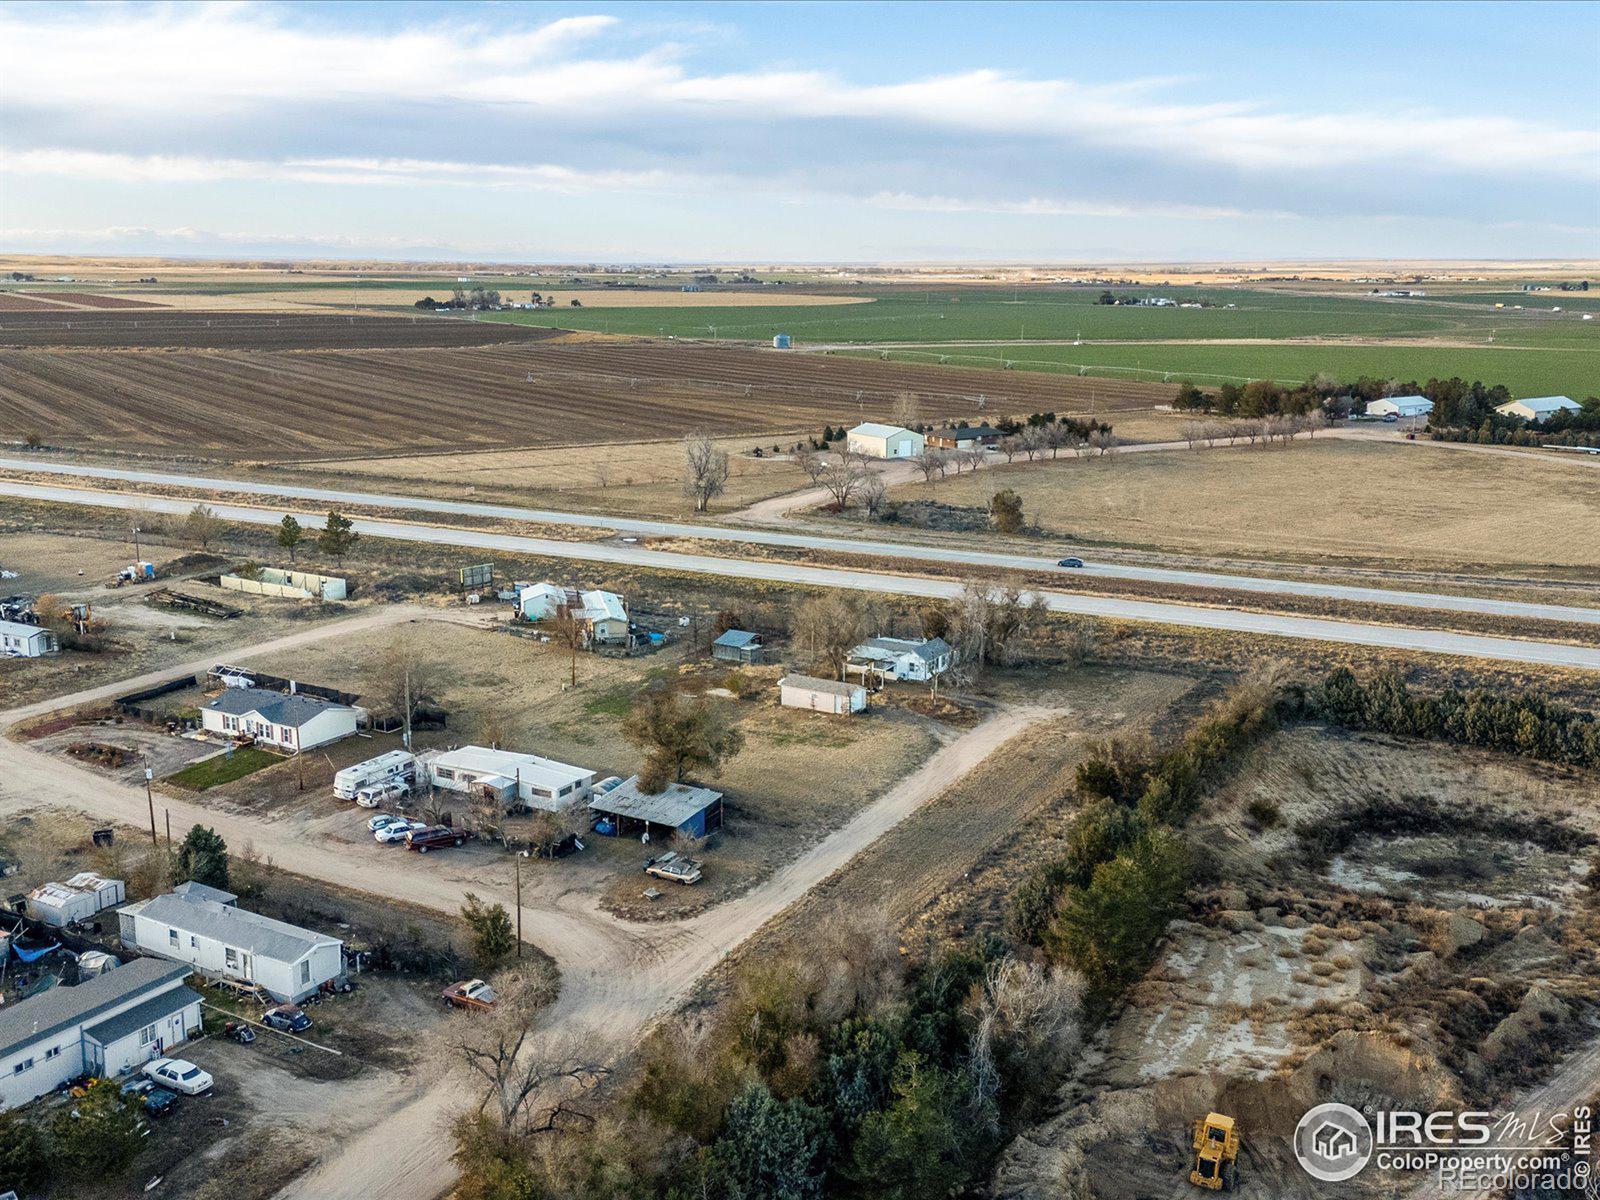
287	721
386	768
108	1026
223	941
515	779
821	695
884	441
19	640
78	899
914	659
603	615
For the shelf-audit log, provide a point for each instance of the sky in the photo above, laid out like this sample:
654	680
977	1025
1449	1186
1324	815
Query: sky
802	133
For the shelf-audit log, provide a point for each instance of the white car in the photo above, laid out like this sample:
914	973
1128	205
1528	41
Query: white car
381	793
378	822
397	831
178	1074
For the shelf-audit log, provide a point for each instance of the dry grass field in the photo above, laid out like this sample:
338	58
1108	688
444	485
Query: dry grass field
273	404
1320	498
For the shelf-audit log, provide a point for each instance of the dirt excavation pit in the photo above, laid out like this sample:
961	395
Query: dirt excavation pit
1385	923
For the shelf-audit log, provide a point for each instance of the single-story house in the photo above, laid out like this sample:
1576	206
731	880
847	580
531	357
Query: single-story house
884	441
1400	406
78	899
676	808
965	437
515	779
740	646
604	615
1537	408
288	721
821	695
18	640
916	659
106	1026
222	940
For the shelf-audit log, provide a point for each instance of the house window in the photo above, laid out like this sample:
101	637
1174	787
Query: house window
25	1065
230	958
305	972
172	937
193	941
147	1035
53	1052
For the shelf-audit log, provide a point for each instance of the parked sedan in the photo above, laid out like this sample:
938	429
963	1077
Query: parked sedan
178	1075
286	1018
1070	562
397	831
378	822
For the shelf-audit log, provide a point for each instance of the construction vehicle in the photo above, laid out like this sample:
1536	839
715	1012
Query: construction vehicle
1216	1147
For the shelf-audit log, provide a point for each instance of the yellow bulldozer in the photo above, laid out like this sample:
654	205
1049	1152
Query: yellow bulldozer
1216	1150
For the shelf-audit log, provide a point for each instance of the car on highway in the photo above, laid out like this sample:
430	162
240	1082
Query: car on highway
286	1018
178	1075
434	836
1070	562
398	831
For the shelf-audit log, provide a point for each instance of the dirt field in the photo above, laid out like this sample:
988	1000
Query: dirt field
1389	923
1326	498
355	296
60	329
327	404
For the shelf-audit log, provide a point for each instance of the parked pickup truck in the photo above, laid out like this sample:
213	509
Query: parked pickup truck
423	840
474	993
675	867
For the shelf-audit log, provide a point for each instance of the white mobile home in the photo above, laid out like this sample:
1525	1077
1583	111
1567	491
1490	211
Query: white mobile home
288	721
603	615
396	764
915	659
227	942
78	899
18	640
884	441
821	695
107	1026
518	779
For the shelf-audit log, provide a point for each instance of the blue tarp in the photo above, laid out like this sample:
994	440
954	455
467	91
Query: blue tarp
30	954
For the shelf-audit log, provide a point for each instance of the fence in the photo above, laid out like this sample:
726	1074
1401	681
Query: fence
291	585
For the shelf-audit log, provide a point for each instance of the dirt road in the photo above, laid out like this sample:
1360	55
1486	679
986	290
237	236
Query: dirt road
616	975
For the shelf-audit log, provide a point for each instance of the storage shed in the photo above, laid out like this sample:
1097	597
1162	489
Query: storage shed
677	808
821	695
78	899
876	440
740	646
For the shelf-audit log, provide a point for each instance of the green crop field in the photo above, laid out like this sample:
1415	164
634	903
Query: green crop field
1527	372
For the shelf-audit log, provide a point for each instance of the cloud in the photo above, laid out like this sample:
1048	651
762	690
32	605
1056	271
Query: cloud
1043	207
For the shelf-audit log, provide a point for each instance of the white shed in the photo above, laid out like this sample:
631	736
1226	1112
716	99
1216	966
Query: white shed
78	899
224	941
18	640
884	441
1537	408
821	695
1400	406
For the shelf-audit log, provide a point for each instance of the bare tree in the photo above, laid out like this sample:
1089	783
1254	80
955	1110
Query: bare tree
928	462
827	627
1034	441
1082	447
569	632
1103	441
1035	1011
1249	430
812	463
907	410
1057	436
1313	421
403	678
519	1075
202	526
873	493
602	475
993	619
843	478
707	470
973	458
1194	433
1010	446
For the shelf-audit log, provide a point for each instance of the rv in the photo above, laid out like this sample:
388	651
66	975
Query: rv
394	767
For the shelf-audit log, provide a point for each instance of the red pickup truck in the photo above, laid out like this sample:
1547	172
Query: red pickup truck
423	840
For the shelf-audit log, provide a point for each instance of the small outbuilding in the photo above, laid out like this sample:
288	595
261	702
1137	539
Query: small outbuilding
740	646
20	640
677	808
78	899
1537	408
884	441
1403	407
821	695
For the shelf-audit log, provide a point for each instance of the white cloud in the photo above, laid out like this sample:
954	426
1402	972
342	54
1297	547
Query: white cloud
1044	207
186	62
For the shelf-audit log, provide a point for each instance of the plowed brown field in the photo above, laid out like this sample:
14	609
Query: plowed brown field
285	404
172	329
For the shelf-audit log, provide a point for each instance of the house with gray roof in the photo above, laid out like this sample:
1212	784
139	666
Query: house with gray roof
891	658
223	941
109	1025
287	721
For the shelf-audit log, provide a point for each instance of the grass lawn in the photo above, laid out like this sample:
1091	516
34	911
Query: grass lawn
1542	370
224	768
1420	504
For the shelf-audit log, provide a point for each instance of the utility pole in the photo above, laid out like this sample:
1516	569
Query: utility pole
519	902
168	813
151	801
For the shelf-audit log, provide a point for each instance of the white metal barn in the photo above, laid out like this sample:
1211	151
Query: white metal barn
1400	406
1537	408
884	441
289	721
18	640
821	695
224	941
78	899
527	779
106	1026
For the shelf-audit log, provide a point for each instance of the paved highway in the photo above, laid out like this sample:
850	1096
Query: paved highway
766	537
1427	641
